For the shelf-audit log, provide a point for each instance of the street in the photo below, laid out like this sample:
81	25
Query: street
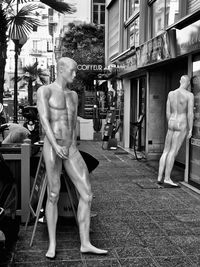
138	222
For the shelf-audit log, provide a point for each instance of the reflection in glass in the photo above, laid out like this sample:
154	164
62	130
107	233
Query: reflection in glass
164	13
133	7
158	9
172	12
194	166
133	33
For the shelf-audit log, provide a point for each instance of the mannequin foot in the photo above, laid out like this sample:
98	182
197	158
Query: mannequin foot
91	249
169	182
51	253
159	181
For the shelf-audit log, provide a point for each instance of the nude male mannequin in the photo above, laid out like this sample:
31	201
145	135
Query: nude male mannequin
57	107
180	116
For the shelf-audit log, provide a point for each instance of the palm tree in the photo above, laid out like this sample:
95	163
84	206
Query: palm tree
17	23
3	49
33	74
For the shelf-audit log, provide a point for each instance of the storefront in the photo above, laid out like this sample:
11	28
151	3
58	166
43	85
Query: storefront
188	43
147	77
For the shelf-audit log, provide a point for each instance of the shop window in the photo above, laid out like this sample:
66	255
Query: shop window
164	13
133	33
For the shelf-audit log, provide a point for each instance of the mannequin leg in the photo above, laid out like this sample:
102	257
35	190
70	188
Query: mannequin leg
78	172
177	141
53	168
166	150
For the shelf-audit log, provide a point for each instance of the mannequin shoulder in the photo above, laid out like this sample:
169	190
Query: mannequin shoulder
44	91
74	95
171	93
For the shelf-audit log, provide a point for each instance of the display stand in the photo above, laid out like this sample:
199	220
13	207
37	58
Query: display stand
38	192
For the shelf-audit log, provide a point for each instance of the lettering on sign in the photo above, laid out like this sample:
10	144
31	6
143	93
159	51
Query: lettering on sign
86	67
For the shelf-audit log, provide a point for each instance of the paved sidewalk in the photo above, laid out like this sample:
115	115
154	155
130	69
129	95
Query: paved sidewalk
140	223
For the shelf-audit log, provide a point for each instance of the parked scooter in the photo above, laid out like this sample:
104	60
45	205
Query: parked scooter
30	113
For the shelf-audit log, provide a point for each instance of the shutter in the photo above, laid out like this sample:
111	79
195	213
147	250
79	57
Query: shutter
193	5
113	29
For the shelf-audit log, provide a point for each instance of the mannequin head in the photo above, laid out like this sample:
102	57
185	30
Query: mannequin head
66	69
185	81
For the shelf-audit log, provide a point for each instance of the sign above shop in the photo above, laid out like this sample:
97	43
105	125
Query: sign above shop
90	67
153	51
188	38
127	65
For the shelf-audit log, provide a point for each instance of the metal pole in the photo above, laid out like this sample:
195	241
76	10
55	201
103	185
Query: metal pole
15	119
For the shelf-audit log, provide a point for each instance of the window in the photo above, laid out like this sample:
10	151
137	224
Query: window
133	6
164	14
131	36
99	12
35	45
133	33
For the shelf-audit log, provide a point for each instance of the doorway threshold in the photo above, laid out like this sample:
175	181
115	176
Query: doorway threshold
193	188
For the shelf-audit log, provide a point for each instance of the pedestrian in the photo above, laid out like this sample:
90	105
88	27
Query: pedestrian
179	111
57	106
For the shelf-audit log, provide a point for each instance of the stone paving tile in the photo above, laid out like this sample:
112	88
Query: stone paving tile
132	252
139	262
38	256
190	244
127	241
54	263
103	263
195	259
174	261
161	246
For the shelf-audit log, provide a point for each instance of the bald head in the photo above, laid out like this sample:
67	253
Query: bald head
185	81
64	62
66	69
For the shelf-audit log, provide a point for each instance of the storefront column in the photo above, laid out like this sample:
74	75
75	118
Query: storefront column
187	150
126	124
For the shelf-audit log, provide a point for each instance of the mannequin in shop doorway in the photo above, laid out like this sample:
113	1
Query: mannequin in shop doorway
179	111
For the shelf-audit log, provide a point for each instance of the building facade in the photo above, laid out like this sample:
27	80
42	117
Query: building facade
150	44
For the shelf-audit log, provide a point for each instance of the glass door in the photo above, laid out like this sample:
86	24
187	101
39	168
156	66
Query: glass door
194	165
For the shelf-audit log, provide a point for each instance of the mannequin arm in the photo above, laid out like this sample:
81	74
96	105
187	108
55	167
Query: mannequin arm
43	95
190	115
168	109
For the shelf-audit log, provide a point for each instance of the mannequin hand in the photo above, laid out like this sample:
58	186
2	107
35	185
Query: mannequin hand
62	151
189	135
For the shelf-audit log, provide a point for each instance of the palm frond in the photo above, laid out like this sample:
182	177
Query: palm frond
59	6
23	22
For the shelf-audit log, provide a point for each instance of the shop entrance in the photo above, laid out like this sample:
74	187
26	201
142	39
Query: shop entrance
137	113
194	162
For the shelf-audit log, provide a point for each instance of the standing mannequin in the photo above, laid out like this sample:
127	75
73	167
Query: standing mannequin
180	116
57	106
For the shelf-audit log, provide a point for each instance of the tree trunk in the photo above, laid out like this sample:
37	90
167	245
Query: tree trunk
30	92
3	49
2	70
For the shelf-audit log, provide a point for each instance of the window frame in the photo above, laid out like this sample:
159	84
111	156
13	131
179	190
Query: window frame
150	6
127	23
99	5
